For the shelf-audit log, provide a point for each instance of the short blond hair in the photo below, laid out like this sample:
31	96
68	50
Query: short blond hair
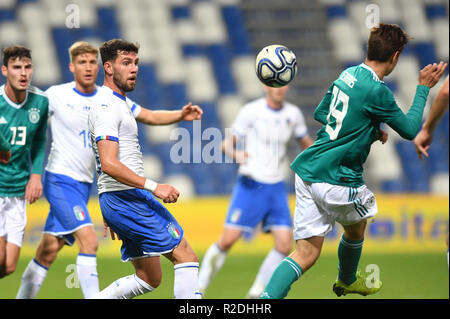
81	47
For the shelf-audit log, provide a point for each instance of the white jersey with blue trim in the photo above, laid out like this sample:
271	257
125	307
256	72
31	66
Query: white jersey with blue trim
113	118
265	133
71	150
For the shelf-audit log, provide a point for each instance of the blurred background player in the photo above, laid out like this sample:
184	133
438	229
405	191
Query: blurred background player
69	176
145	226
423	140
264	126
23	115
5	150
329	184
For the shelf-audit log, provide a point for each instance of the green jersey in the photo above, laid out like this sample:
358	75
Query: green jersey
351	113
4	145
23	126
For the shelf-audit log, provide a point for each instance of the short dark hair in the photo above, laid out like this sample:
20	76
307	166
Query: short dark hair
14	52
109	50
384	41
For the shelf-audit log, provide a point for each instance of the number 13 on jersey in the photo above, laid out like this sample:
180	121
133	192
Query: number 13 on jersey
336	116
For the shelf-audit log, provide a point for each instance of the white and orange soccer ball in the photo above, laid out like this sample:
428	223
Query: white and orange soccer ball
276	65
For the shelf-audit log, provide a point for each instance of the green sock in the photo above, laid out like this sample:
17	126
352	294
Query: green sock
287	272
349	252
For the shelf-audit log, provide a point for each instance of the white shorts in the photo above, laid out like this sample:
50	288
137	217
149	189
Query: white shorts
13	219
319	205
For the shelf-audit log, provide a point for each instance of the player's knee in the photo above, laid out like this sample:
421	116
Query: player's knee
10	269
89	247
153	280
47	253
225	244
283	247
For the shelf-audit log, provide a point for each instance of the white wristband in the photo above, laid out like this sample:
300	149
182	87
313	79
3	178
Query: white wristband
150	185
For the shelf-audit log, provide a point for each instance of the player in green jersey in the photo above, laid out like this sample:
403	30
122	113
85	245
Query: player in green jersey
329	184
23	123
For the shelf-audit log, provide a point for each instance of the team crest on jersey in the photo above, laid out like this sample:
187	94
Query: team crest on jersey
79	213
33	115
173	230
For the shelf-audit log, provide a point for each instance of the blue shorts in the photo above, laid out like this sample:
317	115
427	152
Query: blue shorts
253	202
68	206
144	225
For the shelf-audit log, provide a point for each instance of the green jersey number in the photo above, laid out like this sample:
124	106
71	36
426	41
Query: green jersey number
19	135
339	99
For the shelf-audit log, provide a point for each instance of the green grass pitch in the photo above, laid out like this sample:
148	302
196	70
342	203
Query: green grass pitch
414	276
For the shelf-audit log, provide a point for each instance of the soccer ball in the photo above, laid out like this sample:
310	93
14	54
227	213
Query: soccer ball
276	65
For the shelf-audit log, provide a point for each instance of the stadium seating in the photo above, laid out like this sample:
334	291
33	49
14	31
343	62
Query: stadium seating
203	51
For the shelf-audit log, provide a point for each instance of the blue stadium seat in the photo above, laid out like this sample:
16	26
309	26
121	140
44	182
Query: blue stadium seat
239	38
336	11
220	59
393	186
181	12
175	95
107	23
7	15
193	49
425	53
148	87
435	11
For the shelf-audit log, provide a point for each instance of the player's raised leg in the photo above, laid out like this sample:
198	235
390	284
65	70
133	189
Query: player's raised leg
283	244
215	256
36	271
87	261
186	266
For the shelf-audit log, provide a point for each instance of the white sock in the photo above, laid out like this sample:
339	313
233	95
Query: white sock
212	262
32	279
270	263
448	265
185	284
125	288
87	274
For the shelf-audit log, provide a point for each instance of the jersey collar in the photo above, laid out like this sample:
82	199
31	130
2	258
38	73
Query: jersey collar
14	105
85	94
375	76
120	96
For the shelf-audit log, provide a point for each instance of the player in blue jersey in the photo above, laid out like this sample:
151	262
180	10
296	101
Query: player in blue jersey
68	177
145	226
329	174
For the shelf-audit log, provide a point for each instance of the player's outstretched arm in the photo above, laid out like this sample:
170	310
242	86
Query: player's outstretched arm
230	150
440	105
189	112
108	152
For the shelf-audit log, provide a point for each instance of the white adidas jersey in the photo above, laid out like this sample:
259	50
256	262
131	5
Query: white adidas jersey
71	150
114	119
265	133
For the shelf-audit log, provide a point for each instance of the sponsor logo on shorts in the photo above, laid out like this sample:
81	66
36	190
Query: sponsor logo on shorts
173	230
79	213
235	215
